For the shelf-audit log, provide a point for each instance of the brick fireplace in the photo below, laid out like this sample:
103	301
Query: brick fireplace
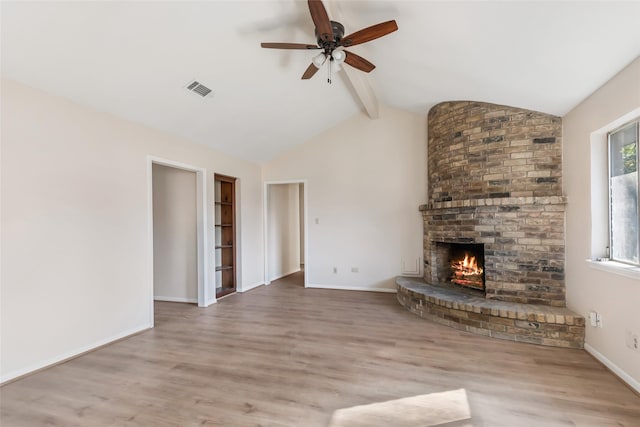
495	177
495	194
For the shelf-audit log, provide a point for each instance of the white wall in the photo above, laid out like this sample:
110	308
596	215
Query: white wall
616	297
175	274
301	198
75	230
283	229
366	179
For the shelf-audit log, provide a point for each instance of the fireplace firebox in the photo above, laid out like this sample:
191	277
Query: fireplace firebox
460	264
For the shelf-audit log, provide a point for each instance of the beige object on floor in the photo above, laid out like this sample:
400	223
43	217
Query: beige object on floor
449	408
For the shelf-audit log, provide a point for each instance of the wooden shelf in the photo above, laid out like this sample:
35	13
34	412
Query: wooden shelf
225	234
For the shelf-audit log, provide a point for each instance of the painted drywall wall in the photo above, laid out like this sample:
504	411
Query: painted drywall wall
366	179
283	229
175	274
75	263
614	296
301	199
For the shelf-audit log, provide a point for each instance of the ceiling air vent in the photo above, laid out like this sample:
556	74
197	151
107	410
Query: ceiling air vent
199	89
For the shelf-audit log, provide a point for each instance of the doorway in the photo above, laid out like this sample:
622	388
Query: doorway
286	225
177	228
175	267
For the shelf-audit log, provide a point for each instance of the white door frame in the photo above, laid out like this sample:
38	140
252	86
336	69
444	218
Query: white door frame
265	215
201	228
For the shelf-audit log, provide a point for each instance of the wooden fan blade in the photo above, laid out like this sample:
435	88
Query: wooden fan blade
310	72
370	33
321	20
358	62
288	46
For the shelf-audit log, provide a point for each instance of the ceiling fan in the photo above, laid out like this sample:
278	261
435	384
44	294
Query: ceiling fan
332	41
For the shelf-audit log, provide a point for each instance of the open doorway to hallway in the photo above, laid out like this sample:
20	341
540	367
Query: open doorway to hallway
175	263
286	230
176	212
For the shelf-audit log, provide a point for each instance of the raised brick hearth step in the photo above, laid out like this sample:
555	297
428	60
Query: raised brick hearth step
460	309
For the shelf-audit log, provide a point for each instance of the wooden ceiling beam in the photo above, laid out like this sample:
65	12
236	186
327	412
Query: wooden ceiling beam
357	79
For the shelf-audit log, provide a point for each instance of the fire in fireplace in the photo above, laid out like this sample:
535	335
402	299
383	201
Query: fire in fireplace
467	272
460	264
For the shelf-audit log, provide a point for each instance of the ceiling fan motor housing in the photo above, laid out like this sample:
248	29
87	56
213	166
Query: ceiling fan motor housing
338	33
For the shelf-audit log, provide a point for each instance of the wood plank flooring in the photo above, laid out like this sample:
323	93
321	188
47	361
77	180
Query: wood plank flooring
282	355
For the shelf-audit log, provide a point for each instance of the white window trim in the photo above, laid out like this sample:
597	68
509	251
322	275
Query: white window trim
634	121
626	270
600	197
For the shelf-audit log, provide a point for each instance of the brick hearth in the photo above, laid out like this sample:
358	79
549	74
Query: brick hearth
529	323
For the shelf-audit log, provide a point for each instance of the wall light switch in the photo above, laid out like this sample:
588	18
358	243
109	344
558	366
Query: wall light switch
599	320
593	318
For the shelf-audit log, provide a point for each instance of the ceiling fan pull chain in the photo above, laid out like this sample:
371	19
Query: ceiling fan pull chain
329	67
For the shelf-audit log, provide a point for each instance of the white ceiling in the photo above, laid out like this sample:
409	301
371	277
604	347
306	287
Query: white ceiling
133	59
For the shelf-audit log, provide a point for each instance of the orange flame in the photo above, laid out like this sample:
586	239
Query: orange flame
467	266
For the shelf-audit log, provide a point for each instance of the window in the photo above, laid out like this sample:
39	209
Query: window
623	194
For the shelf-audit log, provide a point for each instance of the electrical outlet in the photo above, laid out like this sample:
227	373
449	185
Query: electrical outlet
355	269
335	270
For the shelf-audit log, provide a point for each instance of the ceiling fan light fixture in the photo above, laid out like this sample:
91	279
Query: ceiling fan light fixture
319	60
338	56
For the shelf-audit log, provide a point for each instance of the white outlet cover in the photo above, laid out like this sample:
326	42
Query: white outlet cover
593	318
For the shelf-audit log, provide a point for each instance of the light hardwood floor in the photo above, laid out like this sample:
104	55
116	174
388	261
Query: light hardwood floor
282	355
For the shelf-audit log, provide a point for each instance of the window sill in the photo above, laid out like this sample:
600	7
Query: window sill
614	267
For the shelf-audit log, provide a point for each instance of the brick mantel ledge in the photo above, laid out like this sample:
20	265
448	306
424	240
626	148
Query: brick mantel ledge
501	201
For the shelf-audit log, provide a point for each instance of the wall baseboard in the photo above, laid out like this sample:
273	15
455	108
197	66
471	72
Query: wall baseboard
175	299
284	275
251	286
20	373
351	288
631	382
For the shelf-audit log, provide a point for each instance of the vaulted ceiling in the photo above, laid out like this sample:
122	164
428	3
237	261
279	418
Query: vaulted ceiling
133	59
